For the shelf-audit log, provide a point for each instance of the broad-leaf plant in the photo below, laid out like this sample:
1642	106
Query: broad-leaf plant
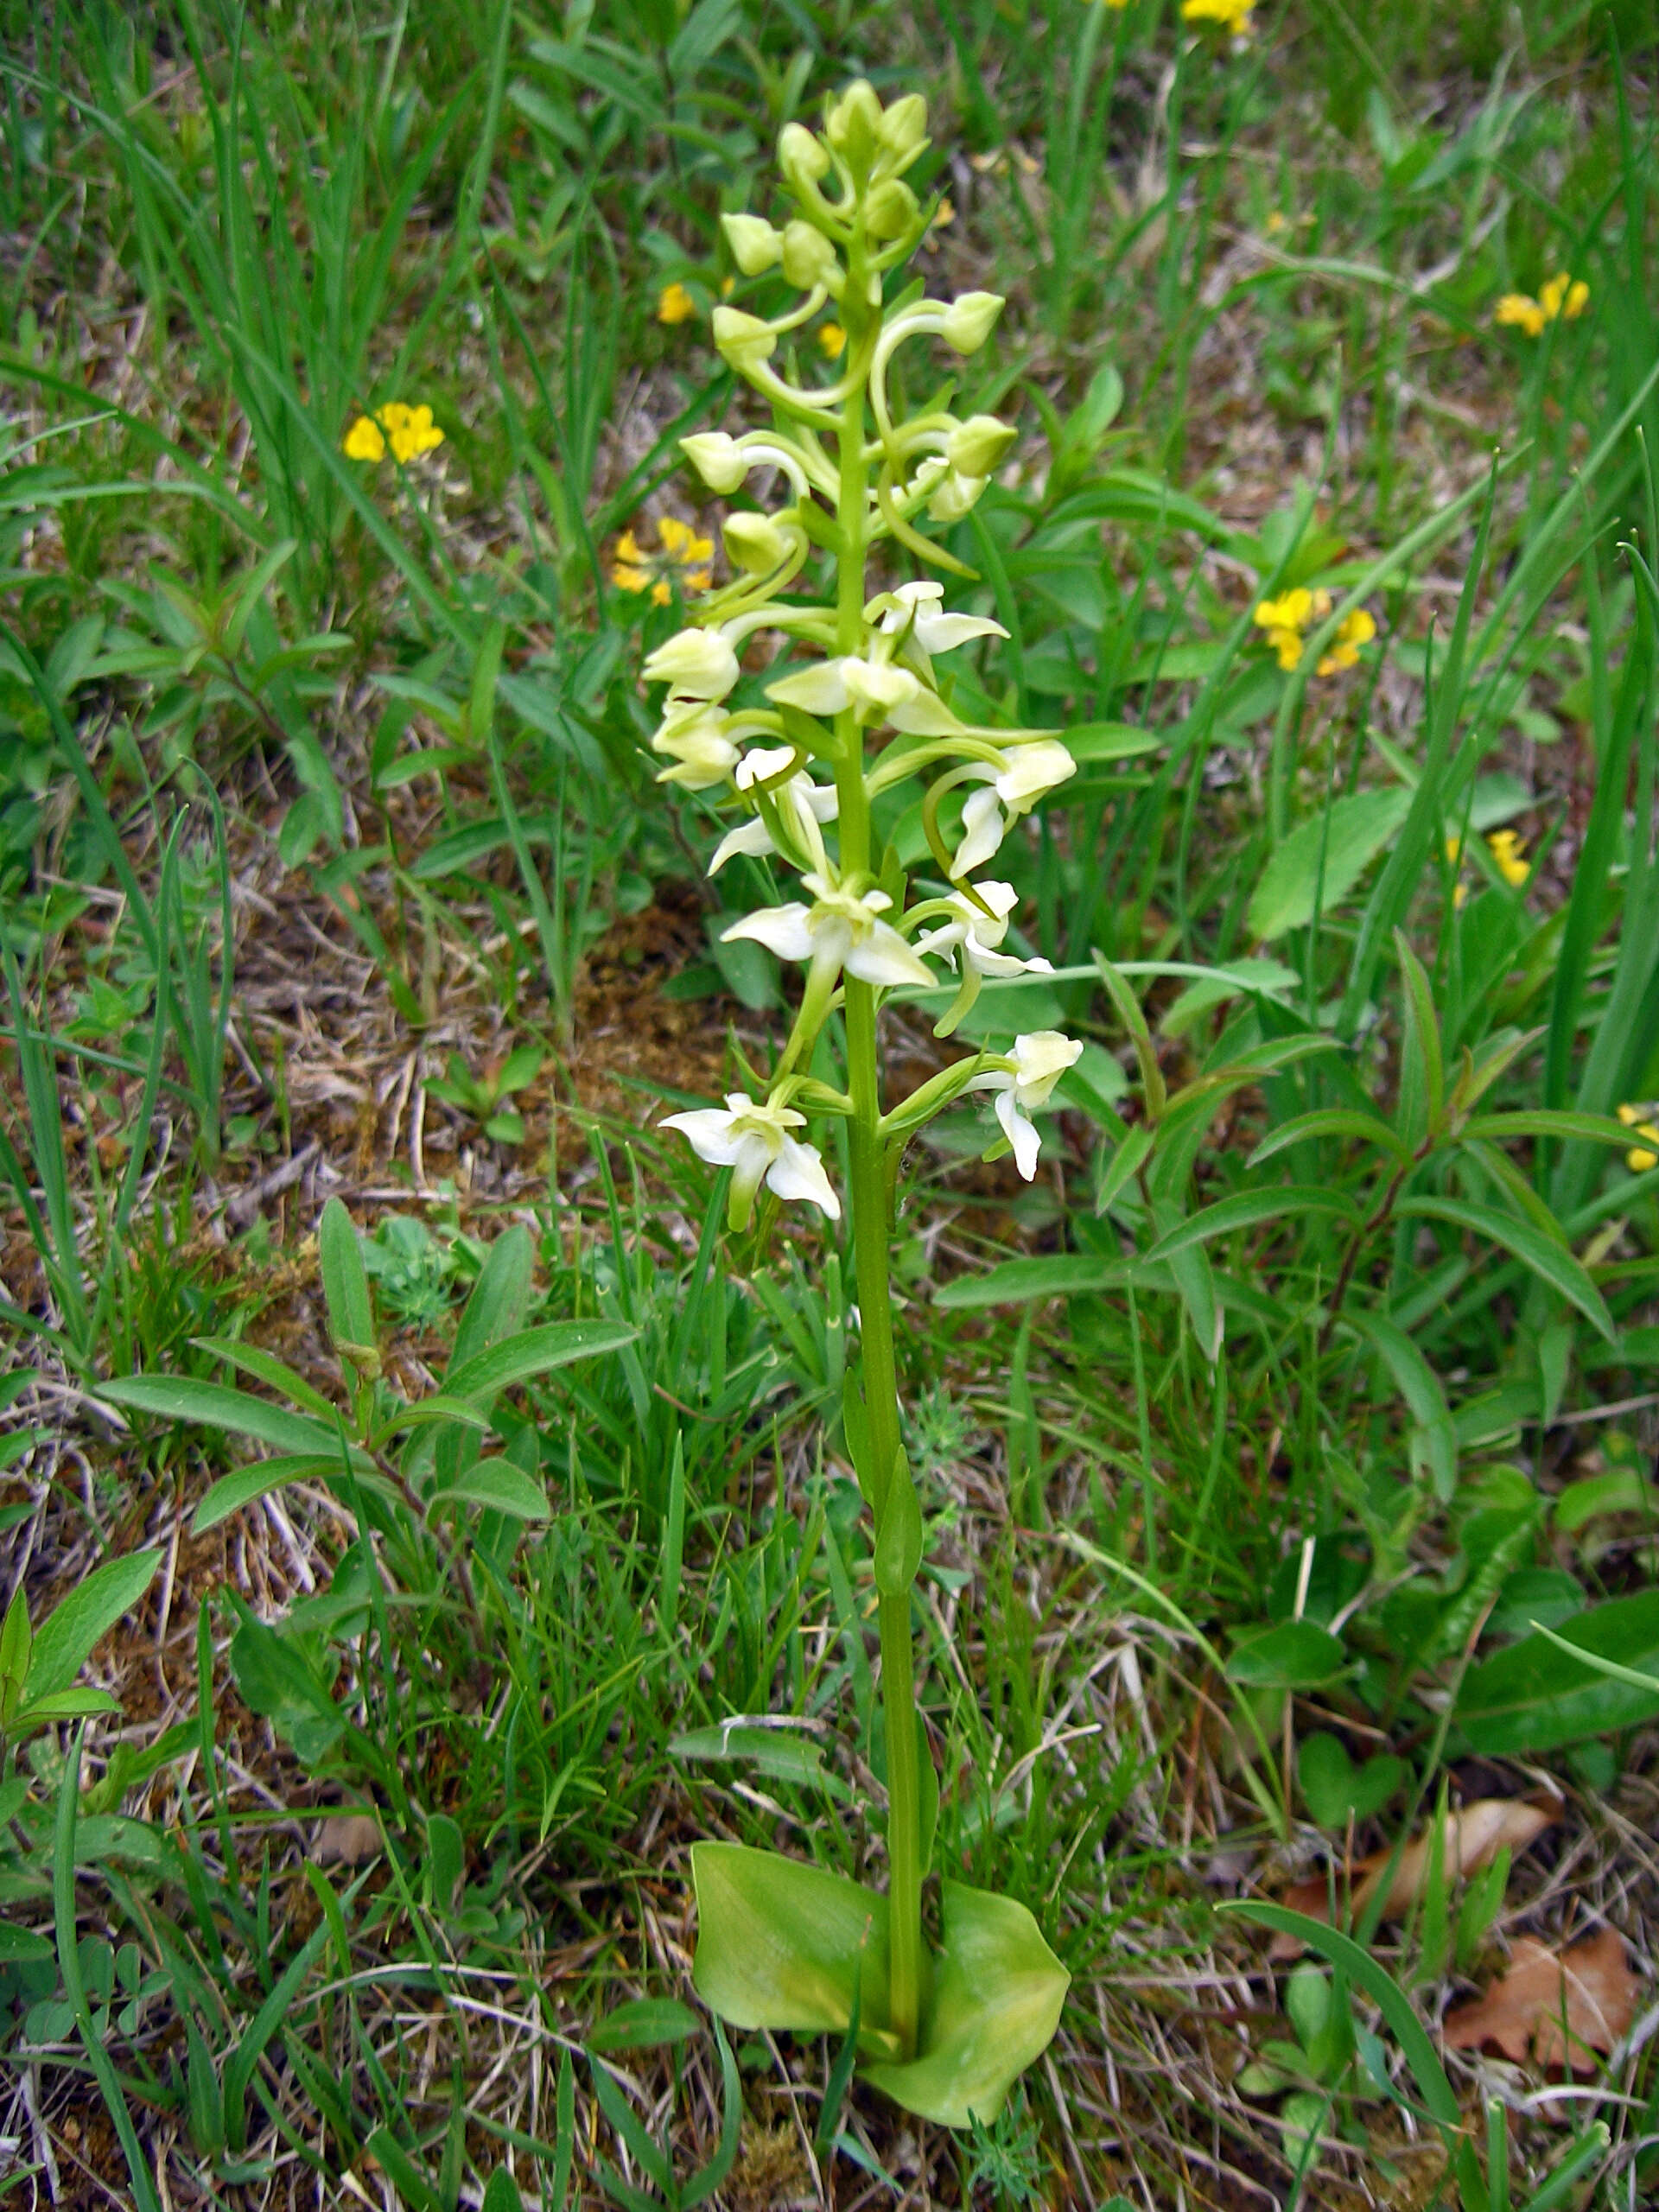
805	754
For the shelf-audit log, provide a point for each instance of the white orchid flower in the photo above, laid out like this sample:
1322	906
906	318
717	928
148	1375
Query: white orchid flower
877	691
1028	771
754	1143
804	803
841	929
1039	1059
972	937
696	738
695	665
932	631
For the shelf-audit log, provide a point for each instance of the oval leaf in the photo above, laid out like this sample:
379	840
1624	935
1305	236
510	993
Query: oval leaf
498	1485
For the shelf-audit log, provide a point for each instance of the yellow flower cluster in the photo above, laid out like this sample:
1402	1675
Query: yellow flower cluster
1232	16
675	304
1645	1120
1508	858
1285	617
1563	296
409	430
684	557
832	341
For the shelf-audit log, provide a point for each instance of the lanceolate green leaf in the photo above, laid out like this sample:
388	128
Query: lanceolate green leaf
1553	1263
248	1484
531	1352
64	1641
215	1405
1248	1209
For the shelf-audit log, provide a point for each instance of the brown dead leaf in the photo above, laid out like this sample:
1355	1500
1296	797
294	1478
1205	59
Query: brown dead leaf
1473	1839
350	1839
1561	2005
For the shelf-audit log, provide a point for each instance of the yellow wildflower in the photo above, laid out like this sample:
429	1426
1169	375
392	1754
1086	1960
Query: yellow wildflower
1354	630
944	216
1506	850
411	431
676	304
1645	1155
1285	618
1562	296
728	286
833	339
1231	15
685	557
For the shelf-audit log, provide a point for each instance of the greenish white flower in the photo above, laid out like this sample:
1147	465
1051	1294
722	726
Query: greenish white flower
697	740
743	340
1035	1065
803	158
968	321
809	259
755	246
695	665
972	937
1029	771
902	132
879	693
801	803
755	1141
840	930
916	605
755	543
975	447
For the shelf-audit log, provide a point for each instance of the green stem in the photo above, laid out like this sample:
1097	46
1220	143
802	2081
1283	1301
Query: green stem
869	1193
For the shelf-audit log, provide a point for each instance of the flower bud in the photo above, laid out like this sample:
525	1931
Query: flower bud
755	543
902	132
967	321
891	210
809	259
957	496
718	460
802	158
697	664
978	444
852	124
695	740
744	340
755	246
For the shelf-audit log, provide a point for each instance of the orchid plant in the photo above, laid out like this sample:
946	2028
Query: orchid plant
944	2031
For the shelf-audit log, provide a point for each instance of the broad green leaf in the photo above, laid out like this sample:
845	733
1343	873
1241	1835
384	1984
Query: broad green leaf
644	2023
65	1705
533	1352
498	1485
778	1943
993	2007
1246	1210
1532	1696
1621	1490
64	1641
344	1280
1325	856
216	1405
248	1484
1550	1261
21	1946
1336	1790
1294	1655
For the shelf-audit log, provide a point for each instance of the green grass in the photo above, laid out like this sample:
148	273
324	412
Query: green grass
1280	1409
